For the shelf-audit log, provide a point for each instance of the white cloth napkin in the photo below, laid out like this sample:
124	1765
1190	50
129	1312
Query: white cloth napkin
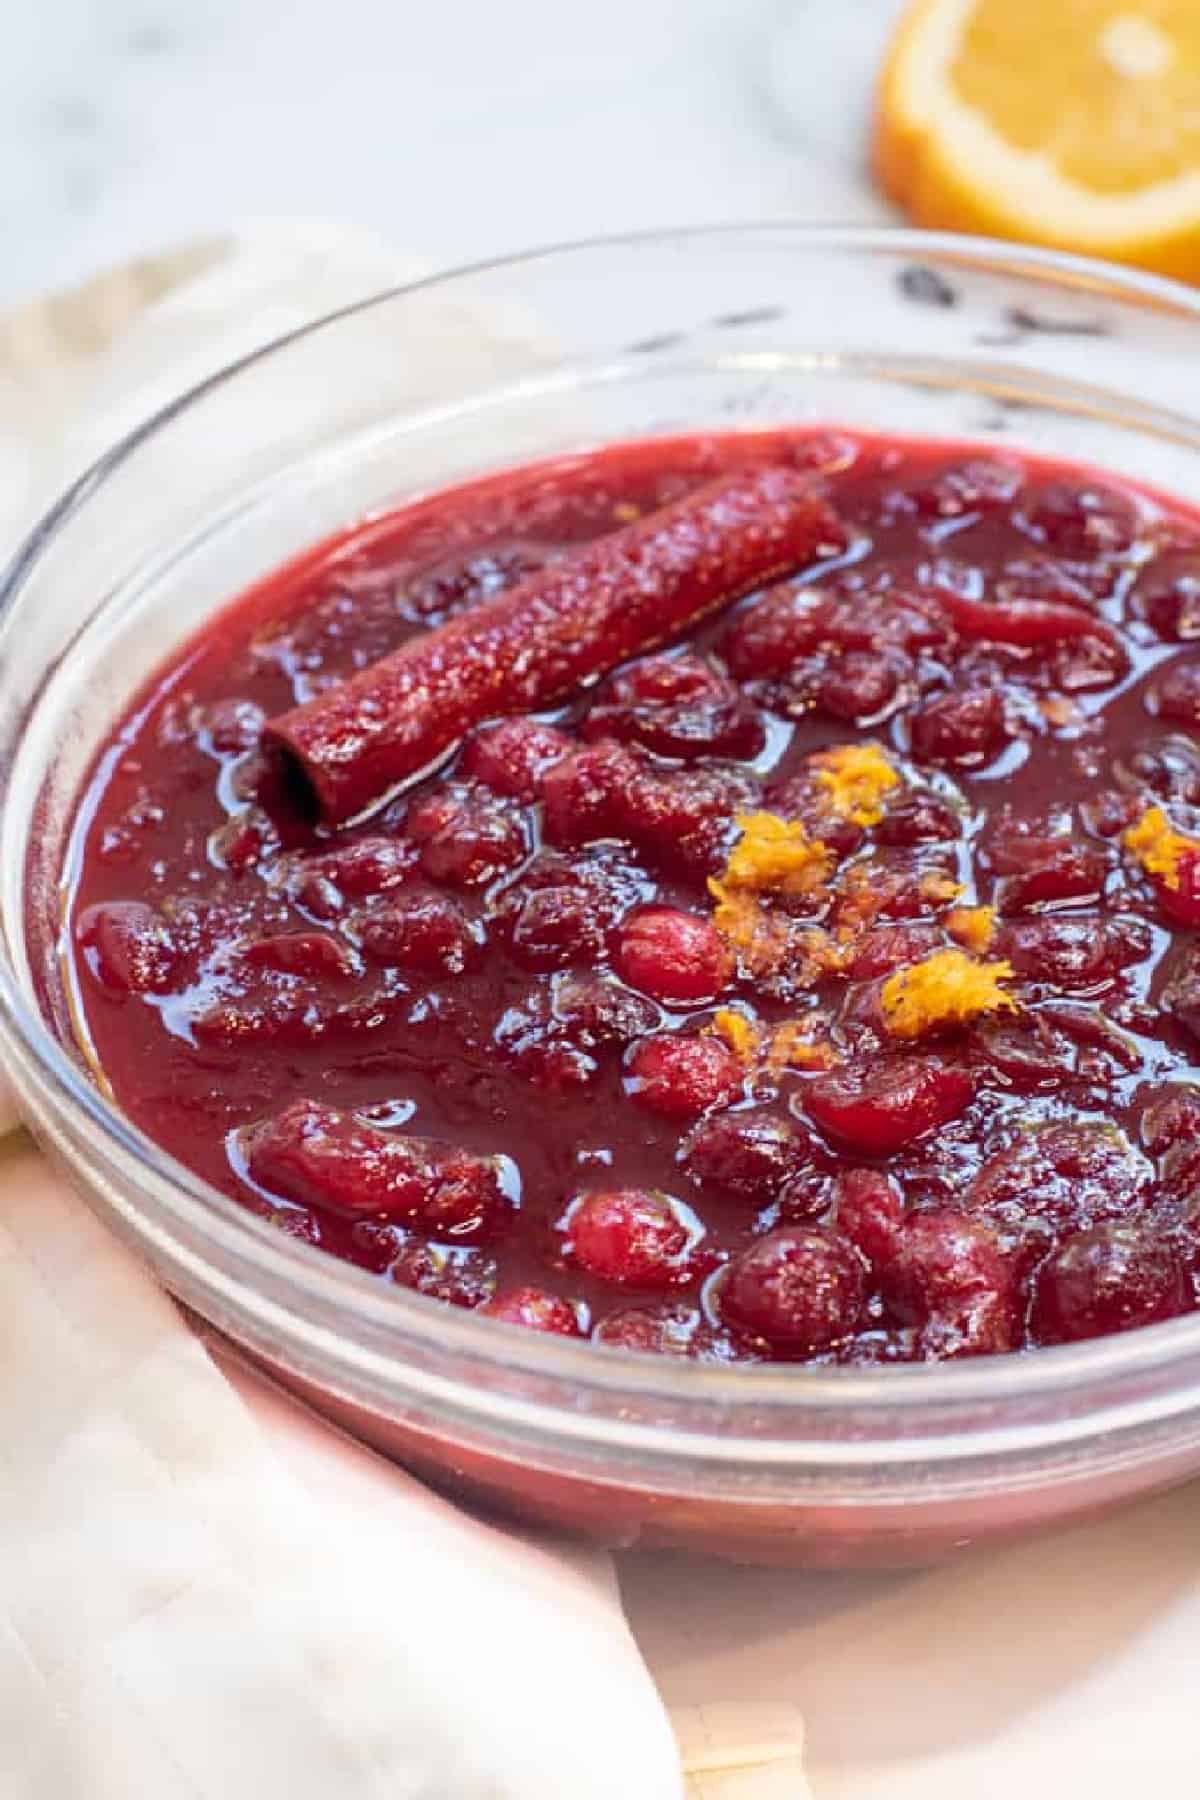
205	1593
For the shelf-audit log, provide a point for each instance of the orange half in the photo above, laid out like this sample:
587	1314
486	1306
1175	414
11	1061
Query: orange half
1073	123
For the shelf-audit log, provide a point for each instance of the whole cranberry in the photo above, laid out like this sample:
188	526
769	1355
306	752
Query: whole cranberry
879	1106
514	756
682	1077
798	1289
1111	1278
676	957
536	1309
948	1271
636	1237
749	1154
128	947
869	1211
964	727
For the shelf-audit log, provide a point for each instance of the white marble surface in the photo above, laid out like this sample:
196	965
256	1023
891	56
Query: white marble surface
459	128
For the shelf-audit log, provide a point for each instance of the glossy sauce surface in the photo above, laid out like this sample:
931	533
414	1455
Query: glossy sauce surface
486	1041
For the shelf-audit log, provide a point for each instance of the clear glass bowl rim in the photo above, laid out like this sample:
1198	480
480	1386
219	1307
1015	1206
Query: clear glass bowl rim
278	1264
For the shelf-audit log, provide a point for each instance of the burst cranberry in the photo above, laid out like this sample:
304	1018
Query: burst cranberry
128	947
452	584
1109	1279
1040	871
1075	952
368	865
879	1107
890	947
555	927
457	1277
948	1272
1169	770
676	957
595	1009
1027	1050
682	1077
427	934
919	817
1069	1175
981	485
861	687
635	1237
869	1211
315	1155
1167	596
679	707
513	757
681	818
1171	1119
770	636
798	1289
535	1309
466	839
244	841
1176	694
1180	900
965	727
585	796
672	1329
1181	996
311	953
1081	522
748	1154
231	727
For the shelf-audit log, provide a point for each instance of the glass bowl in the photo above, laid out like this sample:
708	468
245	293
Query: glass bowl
435	383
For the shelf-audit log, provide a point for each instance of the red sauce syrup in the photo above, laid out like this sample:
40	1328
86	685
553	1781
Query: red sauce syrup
819	984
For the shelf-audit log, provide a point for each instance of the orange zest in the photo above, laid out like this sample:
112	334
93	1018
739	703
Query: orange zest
855	779
947	988
1075	125
1159	848
973	927
773	855
740	1034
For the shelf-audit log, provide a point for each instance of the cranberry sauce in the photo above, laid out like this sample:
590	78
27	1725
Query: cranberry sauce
823	986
